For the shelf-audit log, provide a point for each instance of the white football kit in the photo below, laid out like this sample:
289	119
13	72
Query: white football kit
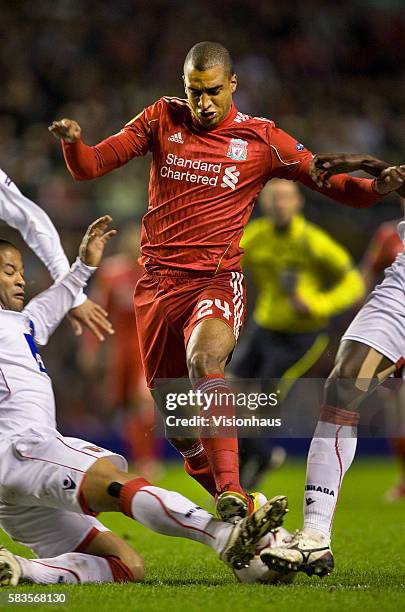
41	472
36	228
381	321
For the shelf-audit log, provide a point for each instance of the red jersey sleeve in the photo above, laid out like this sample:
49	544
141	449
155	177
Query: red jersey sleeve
291	160
134	140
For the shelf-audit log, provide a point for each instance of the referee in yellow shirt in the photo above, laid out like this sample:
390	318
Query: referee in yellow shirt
303	277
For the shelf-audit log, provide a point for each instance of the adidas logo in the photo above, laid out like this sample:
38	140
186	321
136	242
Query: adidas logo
177	137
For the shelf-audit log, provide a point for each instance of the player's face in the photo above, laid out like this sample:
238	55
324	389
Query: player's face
12	282
281	200
209	94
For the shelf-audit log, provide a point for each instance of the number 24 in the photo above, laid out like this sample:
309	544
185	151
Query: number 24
205	308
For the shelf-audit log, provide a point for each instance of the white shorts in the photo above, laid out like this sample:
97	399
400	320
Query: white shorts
41	504
381	321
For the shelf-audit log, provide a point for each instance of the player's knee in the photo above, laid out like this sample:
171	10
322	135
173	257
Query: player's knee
340	388
346	369
103	470
200	363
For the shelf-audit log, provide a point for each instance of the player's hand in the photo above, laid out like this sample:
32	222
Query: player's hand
92	246
67	130
92	316
391	179
325	165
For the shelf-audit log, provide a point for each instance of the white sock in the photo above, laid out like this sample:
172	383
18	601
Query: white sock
330	455
173	514
69	568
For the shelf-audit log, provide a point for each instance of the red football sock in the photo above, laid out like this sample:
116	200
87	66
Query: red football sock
196	464
222	453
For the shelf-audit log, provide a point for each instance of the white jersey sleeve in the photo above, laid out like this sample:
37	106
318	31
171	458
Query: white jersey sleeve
47	309
36	228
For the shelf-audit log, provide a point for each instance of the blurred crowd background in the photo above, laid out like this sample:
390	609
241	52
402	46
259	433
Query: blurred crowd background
331	74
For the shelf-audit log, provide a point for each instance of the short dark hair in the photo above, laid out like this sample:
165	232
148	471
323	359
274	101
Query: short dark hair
6	244
206	55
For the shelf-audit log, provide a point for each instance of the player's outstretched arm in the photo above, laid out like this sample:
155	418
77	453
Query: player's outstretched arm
48	309
326	165
92	247
89	313
40	234
86	162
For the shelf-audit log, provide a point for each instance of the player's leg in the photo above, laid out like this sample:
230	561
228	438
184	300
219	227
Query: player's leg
208	349
107	488
71	548
357	372
74	476
372	349
156	300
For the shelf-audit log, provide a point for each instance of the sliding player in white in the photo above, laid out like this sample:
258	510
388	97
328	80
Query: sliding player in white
51	487
41	236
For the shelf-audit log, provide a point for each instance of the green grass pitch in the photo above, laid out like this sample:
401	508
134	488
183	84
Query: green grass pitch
182	575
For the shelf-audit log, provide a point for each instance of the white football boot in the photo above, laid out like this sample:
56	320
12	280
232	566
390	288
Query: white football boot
303	552
10	570
246	534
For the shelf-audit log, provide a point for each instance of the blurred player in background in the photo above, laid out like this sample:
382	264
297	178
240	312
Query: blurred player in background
52	487
39	233
209	162
371	350
303	278
116	367
384	246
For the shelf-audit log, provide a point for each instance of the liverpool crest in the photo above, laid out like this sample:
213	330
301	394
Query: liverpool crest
237	149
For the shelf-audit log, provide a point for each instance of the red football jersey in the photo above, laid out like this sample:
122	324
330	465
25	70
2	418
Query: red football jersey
203	184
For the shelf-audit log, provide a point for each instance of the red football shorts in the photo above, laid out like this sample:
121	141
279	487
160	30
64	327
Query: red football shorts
169	306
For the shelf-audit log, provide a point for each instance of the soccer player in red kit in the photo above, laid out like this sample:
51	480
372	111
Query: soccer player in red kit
209	162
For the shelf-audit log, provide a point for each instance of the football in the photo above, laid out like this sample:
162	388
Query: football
258	572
